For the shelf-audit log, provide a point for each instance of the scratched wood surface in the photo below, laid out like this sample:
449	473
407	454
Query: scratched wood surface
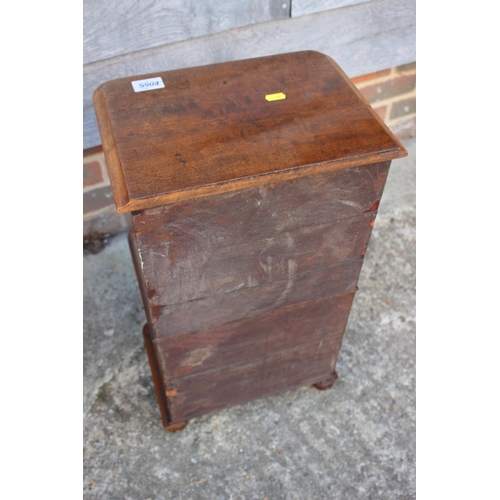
248	293
220	309
188	269
211	129
234	241
267	210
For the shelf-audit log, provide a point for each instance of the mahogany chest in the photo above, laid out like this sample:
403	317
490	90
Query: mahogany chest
252	188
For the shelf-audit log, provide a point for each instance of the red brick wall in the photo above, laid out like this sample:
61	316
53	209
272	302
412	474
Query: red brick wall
391	93
99	214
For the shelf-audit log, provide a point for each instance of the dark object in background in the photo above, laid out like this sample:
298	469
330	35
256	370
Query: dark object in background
252	188
95	242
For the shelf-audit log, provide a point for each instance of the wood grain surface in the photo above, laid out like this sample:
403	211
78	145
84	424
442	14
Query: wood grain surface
211	129
113	28
209	312
237	240
302	364
362	38
252	338
190	270
305	7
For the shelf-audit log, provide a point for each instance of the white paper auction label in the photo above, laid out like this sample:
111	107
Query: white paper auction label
148	84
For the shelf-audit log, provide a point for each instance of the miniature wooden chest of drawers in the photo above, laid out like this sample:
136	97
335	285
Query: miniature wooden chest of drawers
252	188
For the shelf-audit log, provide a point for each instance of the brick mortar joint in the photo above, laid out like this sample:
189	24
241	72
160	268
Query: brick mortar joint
395	98
101	160
384	79
105	174
403	118
92	187
388	111
95	157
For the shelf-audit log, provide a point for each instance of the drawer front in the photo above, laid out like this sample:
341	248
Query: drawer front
191	271
251	338
273	373
234	241
219	310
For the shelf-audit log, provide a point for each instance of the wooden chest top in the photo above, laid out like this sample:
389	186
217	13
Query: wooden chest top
229	126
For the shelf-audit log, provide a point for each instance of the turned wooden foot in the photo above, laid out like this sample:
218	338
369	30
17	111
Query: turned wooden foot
327	383
176	427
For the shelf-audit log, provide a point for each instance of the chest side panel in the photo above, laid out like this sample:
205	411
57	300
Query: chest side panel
248	293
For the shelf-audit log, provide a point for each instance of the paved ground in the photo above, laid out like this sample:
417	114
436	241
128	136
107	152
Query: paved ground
355	441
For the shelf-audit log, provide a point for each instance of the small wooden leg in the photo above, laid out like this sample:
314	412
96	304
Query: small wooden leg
327	383
158	385
176	427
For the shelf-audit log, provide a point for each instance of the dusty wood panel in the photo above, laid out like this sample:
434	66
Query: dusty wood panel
218	310
222	243
113	28
360	47
211	126
305	7
192	267
251	338
273	373
265	211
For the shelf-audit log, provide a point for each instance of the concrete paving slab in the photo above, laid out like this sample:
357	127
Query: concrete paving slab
355	441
